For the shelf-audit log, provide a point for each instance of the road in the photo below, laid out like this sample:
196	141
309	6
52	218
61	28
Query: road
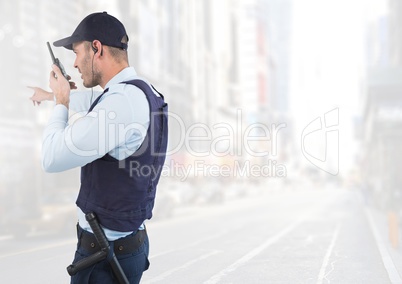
324	235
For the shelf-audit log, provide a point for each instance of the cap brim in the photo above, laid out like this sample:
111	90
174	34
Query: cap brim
67	42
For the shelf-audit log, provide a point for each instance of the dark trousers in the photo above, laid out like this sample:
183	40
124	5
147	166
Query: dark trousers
133	264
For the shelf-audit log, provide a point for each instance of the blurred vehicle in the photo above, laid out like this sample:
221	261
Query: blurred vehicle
56	213
165	203
211	191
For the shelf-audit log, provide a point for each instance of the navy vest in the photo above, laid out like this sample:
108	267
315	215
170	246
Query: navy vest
122	193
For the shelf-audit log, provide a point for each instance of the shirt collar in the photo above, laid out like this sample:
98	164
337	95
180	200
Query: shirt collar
126	74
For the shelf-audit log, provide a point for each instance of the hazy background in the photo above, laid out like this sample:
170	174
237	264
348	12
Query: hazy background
314	86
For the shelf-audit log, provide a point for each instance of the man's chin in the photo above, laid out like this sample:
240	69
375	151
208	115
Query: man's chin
88	85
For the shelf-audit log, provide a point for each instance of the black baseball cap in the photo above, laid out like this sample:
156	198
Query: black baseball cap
97	26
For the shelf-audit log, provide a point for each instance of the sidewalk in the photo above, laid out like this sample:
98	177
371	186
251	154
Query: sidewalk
391	257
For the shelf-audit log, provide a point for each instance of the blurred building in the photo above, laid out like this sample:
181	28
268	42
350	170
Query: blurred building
192	51
382	156
20	63
25	26
276	17
216	65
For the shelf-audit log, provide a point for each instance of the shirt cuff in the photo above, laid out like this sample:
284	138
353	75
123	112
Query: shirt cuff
60	113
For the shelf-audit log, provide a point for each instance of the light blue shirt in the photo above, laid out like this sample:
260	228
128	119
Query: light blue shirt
117	125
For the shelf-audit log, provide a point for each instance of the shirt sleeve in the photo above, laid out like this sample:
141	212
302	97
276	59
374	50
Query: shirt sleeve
109	125
80	101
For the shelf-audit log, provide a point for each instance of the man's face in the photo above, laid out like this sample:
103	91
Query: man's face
85	65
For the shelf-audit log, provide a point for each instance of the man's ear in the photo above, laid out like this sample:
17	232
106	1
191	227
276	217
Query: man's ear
94	49
96	45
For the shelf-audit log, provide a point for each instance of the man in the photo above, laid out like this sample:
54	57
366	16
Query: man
124	128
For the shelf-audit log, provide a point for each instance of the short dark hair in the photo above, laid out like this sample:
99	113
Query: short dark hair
119	54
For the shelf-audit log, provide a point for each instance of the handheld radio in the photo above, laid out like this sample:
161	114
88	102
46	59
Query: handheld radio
57	61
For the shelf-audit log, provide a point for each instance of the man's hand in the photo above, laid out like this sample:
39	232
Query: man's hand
60	86
40	95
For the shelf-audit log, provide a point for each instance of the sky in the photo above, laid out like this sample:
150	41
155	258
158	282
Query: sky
328	66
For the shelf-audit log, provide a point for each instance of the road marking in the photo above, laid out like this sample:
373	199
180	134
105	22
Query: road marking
53	258
40	248
217	277
324	265
184	266
389	265
189	245
6	238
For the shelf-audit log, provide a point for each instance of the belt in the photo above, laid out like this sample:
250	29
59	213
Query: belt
124	245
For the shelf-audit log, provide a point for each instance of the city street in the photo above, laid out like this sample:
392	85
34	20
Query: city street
283	146
324	235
